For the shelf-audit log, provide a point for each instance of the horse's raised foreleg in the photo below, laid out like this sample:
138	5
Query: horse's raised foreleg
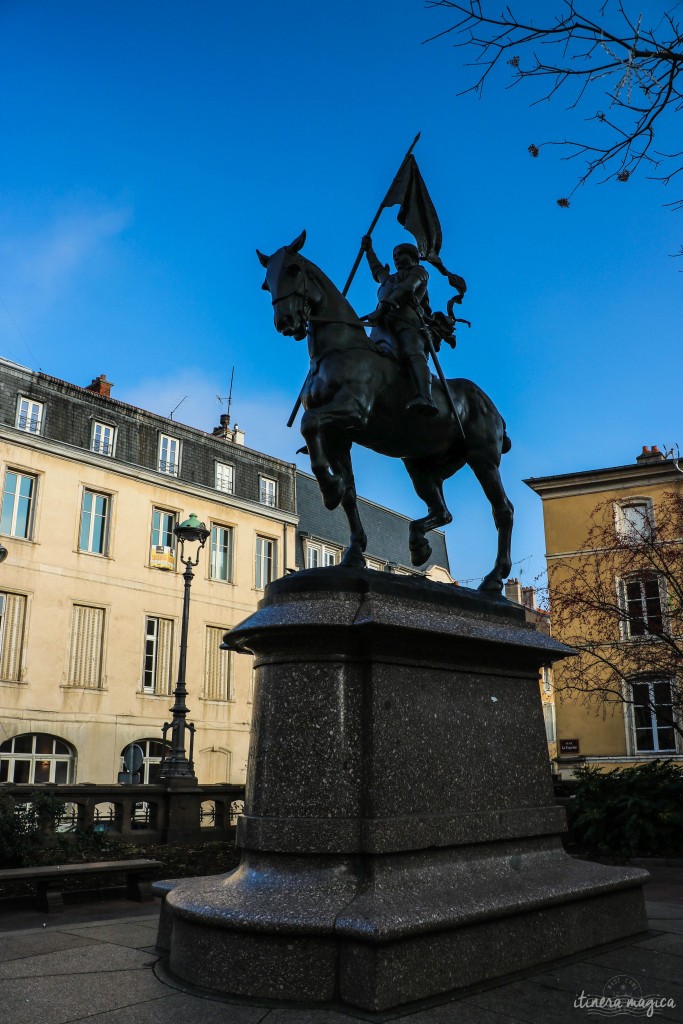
341	461
488	475
427	480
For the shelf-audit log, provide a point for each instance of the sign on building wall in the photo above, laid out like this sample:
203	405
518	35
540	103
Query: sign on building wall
569	746
161	557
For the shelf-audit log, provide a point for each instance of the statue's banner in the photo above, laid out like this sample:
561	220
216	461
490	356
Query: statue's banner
417	213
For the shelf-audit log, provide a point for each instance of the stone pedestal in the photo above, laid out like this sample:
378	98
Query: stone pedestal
400	837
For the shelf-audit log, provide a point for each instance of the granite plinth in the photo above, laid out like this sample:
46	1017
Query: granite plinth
400	836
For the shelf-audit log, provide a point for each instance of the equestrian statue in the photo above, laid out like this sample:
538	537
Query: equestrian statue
379	392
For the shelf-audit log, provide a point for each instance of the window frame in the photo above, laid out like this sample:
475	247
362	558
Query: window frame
99	674
229	667
104	553
101	449
34	758
218	467
40	419
32	502
324	553
263	481
624	528
162	463
156	688
261	560
14	657
651	711
170	564
230	531
641	578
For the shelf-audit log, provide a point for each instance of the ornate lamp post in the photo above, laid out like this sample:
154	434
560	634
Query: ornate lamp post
177	765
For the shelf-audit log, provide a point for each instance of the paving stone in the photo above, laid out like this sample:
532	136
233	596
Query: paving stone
285	1015
666	911
590	979
58	1000
666	925
667	942
88	959
642	963
33	943
180	1008
529	1002
126	933
456	1012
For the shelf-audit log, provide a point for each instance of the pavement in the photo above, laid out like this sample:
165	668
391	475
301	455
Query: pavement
98	963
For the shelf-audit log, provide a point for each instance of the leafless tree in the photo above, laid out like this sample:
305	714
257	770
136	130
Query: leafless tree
631	61
619	603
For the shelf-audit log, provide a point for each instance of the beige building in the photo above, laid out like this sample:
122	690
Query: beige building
636	726
91	590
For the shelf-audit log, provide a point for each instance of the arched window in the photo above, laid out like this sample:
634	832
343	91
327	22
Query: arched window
152	754
37	757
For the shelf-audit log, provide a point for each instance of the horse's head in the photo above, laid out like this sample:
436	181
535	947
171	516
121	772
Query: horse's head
295	293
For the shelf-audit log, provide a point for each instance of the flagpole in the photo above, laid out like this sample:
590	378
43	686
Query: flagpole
356	264
372	227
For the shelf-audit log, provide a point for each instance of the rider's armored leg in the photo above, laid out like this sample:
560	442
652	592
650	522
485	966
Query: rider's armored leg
422	403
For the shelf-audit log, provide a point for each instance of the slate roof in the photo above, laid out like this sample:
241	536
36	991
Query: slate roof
387	531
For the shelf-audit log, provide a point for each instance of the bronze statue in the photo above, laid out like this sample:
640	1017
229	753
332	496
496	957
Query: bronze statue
402	308
357	392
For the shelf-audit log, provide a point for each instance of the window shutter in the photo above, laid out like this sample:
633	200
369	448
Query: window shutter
164	656
217	666
85	664
12	637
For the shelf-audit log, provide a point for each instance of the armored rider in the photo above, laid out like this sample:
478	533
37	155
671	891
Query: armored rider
402	308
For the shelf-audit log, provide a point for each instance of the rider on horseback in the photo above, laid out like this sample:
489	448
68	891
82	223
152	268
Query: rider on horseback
402	308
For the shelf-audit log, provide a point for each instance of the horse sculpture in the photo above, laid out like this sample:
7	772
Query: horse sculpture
356	392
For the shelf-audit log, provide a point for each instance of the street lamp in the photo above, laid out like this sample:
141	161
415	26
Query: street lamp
178	765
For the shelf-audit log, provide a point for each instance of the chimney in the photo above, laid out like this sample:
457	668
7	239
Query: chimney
650	455
513	590
227	432
529	597
100	386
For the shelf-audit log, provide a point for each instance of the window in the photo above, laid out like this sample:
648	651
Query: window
652	716
634	519
163	539
94	523
87	639
225	478
152	755
220	567
268	491
641	599
156	672
30	415
549	719
264	569
103	437
18	501
12	622
169	451
546	678
217	666
320	554
36	757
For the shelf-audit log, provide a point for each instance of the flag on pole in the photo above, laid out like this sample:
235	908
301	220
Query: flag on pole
418	215
417	212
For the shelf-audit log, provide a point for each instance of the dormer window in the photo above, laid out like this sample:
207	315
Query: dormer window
103	438
30	415
169	454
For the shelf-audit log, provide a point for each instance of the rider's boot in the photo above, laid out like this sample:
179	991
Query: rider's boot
422	403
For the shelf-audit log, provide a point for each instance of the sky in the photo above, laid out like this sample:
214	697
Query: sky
149	148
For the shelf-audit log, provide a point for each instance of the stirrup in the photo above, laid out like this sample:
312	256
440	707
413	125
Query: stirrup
423	406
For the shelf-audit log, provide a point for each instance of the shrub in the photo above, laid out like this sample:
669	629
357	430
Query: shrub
27	831
629	811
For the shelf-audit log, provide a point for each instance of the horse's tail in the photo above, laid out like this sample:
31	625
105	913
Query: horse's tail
507	443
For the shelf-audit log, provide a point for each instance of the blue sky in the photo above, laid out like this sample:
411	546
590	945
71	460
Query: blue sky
149	148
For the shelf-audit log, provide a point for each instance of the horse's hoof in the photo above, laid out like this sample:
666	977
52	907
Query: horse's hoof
332	493
353	559
419	553
492	584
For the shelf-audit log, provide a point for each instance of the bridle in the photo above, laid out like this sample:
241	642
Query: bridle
306	311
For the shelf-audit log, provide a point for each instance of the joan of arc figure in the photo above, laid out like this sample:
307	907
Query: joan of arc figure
403	307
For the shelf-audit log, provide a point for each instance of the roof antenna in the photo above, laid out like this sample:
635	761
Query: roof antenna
229	398
170	415
669	452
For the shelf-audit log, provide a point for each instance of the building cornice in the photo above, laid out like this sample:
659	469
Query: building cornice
595	481
72	453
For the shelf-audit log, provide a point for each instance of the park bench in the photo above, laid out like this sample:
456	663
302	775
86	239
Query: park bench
49	879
